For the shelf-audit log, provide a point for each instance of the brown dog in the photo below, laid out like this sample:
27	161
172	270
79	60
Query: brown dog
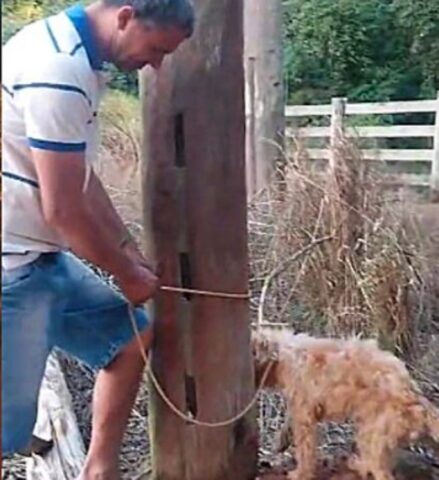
339	380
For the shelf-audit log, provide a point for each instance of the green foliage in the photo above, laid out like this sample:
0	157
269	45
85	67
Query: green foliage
18	13
368	50
420	18
123	81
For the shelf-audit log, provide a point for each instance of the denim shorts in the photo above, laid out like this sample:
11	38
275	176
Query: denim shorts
55	301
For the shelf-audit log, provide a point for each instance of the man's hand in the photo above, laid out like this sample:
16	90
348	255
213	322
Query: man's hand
143	283
139	284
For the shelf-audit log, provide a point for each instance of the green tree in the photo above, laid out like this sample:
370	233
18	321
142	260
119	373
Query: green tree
366	50
420	19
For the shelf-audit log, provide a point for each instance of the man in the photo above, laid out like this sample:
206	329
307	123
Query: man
53	202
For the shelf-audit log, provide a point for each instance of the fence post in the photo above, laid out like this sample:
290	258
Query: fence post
251	168
435	164
337	127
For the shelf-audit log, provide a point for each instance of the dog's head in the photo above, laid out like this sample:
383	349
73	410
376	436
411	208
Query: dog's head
265	349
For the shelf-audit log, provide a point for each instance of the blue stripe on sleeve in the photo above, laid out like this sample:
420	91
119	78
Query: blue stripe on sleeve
52	36
53	86
57	146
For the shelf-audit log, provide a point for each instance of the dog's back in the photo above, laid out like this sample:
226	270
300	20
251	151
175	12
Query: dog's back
347	378
336	380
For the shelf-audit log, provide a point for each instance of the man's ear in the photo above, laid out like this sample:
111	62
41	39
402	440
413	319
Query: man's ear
124	15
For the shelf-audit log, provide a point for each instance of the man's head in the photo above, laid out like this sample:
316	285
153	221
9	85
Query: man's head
144	31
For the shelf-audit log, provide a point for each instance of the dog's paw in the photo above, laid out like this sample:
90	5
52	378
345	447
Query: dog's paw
355	464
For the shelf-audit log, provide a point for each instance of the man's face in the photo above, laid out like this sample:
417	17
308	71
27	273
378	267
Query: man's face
136	44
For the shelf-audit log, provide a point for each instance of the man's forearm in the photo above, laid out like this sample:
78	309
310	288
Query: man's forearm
92	239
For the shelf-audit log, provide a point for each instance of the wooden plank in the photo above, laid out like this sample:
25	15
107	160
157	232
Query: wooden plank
57	422
203	82
415	106
364	108
412	179
380	155
307	110
434	181
399	131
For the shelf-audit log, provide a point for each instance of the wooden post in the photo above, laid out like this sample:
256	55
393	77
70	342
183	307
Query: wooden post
251	161
263	43
337	129
435	163
195	218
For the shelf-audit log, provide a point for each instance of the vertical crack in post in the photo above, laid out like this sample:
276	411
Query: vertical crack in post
185	272
191	396
180	157
189	379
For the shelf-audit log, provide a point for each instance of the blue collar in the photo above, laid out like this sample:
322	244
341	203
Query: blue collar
78	17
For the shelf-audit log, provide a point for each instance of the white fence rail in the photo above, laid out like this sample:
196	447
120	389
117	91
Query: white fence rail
340	109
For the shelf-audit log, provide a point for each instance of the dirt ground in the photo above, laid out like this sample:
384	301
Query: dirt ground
410	466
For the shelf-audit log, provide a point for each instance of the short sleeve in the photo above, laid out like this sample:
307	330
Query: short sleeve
56	107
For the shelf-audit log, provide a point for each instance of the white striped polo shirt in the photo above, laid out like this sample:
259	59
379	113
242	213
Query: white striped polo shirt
52	83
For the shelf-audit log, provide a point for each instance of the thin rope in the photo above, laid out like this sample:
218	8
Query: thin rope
185	417
206	293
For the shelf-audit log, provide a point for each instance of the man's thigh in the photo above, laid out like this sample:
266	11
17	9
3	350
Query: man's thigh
96	323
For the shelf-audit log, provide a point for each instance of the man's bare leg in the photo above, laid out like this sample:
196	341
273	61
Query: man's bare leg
114	394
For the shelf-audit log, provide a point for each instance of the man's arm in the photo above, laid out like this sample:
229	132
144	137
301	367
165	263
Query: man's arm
85	225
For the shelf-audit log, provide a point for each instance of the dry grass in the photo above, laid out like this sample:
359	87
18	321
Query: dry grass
365	268
119	157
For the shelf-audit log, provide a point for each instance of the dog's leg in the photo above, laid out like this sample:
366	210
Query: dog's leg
382	450
374	454
356	464
305	437
284	439
380	469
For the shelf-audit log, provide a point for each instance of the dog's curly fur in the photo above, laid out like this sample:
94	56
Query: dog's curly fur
336	380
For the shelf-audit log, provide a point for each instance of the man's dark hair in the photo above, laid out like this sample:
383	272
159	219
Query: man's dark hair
162	13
